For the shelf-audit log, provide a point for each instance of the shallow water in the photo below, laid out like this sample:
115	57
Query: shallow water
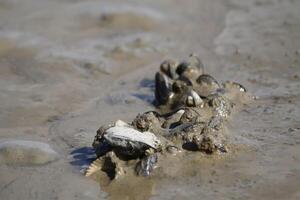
67	67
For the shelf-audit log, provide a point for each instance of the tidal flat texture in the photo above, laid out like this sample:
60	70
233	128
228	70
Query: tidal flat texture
69	66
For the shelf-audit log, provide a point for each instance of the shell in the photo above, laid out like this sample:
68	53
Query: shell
168	67
206	85
126	137
163	88
234	85
193	99
194	63
121	123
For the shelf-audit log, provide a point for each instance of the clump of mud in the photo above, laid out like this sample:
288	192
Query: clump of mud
192	111
26	153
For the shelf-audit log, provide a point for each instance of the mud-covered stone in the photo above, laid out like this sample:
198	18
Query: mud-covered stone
25	152
221	105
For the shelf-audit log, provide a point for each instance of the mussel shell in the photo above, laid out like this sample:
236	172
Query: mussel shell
193	62
180	87
187	80
163	88
168	67
182	67
193	99
180	90
102	148
191	74
206	85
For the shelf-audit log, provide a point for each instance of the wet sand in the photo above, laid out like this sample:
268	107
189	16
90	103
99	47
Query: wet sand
67	67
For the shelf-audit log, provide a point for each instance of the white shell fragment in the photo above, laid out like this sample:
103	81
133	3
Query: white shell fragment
121	135
193	99
121	123
180	112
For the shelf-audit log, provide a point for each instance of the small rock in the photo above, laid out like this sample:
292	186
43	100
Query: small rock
173	149
24	152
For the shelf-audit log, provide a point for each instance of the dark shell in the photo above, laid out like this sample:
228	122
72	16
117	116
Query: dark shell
192	62
180	87
132	151
100	145
187	80
163	88
179	94
102	148
168	67
181	68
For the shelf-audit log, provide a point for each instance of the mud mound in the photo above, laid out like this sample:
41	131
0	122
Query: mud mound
23	152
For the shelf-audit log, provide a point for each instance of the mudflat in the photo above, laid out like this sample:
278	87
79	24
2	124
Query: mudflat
67	67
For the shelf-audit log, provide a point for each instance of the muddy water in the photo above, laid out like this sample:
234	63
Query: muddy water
66	67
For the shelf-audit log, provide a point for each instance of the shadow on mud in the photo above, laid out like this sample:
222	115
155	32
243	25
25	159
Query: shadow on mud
147	83
145	97
149	98
83	156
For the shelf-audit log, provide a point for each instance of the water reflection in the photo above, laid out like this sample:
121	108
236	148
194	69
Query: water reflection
129	187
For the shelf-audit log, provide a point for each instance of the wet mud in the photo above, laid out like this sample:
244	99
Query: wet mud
68	66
